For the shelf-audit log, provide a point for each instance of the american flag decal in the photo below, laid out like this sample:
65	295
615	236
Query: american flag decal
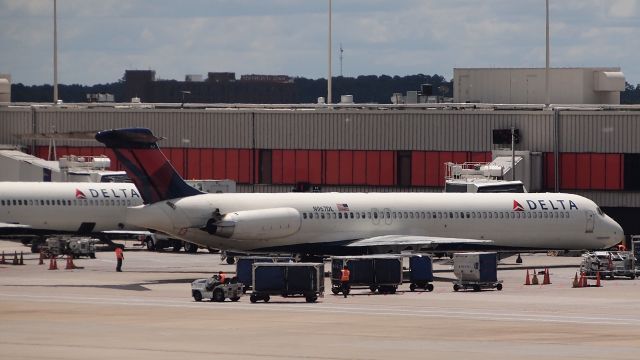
342	207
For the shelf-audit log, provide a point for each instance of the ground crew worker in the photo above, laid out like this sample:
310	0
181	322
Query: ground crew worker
119	257
221	277
344	280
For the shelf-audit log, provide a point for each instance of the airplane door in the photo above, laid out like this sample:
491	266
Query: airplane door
590	221
375	216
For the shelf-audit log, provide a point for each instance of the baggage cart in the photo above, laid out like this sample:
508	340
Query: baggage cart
420	272
244	267
610	264
382	273
476	270
287	280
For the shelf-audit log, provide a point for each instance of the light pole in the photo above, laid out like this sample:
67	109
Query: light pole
329	100
55	52
546	70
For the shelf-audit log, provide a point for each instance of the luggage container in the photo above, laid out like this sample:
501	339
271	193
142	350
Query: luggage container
476	270
377	272
287	279
244	267
420	272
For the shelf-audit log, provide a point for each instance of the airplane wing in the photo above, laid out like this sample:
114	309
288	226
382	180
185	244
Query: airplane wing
416	242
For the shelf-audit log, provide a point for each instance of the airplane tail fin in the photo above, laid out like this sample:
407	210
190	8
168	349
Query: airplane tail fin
146	165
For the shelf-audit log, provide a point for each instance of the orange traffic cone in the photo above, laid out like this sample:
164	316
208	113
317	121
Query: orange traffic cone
41	261
15	258
2	260
70	265
527	281
575	284
534	278
585	282
598	279
610	265
21	262
53	264
546	280
581	280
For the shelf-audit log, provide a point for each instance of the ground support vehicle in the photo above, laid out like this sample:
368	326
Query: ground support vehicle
382	273
287	280
244	267
211	288
610	264
476	270
420	272
69	245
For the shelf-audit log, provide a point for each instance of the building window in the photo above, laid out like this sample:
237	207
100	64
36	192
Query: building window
265	166
403	175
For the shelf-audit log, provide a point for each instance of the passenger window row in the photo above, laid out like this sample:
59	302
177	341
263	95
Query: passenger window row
63	202
439	215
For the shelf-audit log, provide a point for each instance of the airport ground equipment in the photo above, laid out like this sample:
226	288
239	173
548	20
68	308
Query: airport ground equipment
287	280
420	272
211	288
244	267
609	264
635	249
68	245
376	272
476	270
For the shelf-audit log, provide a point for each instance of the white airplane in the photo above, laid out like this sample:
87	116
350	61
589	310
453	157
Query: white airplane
347	223
43	208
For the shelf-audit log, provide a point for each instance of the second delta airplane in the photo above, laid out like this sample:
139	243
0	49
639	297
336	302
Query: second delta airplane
350	223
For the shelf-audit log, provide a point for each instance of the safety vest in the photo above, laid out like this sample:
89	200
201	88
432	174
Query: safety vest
221	278
345	275
119	254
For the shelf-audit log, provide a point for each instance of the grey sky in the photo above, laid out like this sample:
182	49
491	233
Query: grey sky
99	39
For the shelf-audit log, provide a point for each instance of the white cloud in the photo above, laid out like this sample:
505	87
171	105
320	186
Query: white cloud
99	39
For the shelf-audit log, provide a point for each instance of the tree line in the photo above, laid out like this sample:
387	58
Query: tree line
364	88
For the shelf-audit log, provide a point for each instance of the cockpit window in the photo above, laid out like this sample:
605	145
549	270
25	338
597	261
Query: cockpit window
599	211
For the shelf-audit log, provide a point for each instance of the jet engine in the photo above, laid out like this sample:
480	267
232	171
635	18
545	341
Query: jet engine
260	224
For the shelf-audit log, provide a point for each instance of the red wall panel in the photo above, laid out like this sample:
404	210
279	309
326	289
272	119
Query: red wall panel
219	164
432	168
206	163
373	168
460	157
302	166
177	160
288	166
418	164
193	164
598	171
346	167
332	167
315	167
583	171
232	164
387	168
568	170
244	166
613	180
445	156
359	167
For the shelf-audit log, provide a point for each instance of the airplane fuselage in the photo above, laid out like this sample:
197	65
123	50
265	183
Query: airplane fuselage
67	207
289	220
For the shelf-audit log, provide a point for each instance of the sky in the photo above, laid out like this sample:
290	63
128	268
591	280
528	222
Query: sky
99	39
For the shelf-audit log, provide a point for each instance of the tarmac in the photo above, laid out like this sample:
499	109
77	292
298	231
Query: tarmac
146	312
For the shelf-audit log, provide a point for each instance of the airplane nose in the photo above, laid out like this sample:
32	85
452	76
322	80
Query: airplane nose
616	231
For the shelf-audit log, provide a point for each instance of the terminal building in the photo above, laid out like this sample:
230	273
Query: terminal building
591	151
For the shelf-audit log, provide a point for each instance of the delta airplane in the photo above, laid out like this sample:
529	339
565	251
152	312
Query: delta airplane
45	208
339	223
